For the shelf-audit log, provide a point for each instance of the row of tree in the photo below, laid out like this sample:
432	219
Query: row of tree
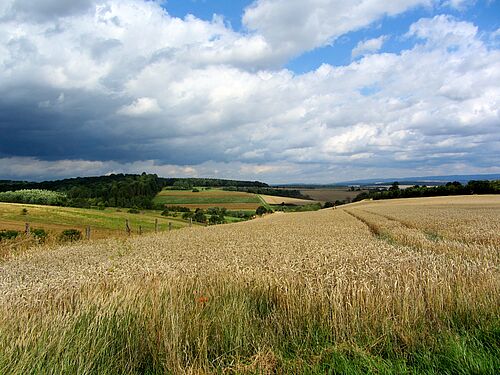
451	188
189	183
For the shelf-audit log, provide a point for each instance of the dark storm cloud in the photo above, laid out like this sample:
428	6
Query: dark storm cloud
124	86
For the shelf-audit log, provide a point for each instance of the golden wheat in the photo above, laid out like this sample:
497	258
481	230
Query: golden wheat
226	296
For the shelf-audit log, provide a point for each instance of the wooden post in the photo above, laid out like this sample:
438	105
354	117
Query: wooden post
190	222
156	225
169	226
87	233
140	229
127	227
27	229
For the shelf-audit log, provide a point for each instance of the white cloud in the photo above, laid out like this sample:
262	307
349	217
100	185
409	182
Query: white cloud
459	4
126	83
368	46
294	26
140	107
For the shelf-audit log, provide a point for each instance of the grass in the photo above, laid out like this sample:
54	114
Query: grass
310	292
103	222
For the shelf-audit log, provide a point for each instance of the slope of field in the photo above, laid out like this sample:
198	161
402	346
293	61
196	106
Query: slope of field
110	221
331	194
374	287
232	200
272	199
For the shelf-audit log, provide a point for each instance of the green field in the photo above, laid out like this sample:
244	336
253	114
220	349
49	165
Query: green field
232	200
103	222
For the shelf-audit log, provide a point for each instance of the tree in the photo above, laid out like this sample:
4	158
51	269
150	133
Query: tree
394	186
199	216
261	210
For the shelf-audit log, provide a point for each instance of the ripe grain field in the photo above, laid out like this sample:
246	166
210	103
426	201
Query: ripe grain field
406	286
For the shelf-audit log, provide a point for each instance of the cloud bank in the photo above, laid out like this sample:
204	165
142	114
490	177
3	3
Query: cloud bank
109	86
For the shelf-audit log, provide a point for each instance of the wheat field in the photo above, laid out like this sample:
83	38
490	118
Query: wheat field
403	286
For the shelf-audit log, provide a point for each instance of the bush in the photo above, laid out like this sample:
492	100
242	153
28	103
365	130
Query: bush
195	190
40	234
134	211
24	211
187	215
8	234
70	235
261	210
199	216
216	219
328	205
34	196
165	212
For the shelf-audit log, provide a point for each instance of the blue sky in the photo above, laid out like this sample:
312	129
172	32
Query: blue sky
484	13
274	90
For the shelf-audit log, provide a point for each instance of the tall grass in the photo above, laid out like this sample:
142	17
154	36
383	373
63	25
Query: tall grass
299	293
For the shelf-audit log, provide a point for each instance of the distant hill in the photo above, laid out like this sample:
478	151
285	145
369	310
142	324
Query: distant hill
426	180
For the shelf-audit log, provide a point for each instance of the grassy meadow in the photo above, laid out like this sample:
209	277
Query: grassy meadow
104	223
400	286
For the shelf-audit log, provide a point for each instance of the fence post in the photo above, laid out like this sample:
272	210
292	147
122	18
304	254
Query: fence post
127	227
27	229
190	222
169	226
140	229
156	225
87	233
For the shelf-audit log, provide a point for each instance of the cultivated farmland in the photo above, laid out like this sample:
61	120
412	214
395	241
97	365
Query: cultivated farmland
401	286
331	194
232	200
272	199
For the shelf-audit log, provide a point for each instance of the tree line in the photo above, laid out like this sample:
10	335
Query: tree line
115	190
450	188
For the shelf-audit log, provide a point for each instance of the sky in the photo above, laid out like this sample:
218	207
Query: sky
313	91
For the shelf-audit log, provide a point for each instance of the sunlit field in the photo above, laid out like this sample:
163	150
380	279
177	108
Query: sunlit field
401	286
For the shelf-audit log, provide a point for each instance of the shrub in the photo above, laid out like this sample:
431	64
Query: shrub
134	211
34	196
24	211
8	234
165	212
195	190
40	234
70	235
199	216
261	210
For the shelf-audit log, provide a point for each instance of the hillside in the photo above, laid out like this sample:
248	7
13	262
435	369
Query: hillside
388	286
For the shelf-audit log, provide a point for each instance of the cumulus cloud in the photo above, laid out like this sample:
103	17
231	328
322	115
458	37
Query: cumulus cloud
294	26
368	46
124	86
